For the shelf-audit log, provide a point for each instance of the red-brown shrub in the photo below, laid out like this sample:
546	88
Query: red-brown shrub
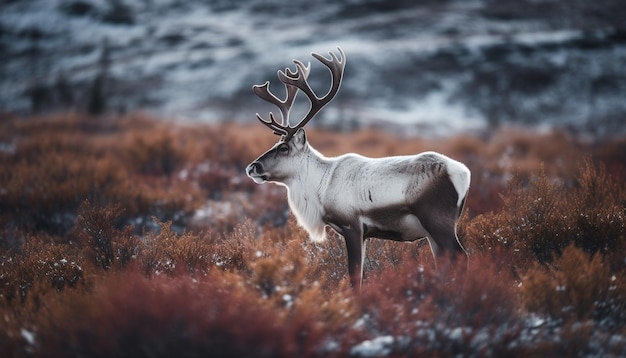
168	252
60	162
542	217
131	236
38	262
444	311
156	152
598	210
577	287
132	316
96	228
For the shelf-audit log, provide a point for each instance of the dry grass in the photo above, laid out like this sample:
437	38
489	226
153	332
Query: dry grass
134	237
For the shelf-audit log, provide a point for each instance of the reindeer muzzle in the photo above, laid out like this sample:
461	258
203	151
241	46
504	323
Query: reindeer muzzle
255	172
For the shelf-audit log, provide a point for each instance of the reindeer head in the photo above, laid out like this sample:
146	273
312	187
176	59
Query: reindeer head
279	162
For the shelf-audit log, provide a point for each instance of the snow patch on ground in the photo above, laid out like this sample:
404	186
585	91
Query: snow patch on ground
377	347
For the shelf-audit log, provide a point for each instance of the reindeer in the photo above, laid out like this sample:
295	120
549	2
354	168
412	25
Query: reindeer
400	198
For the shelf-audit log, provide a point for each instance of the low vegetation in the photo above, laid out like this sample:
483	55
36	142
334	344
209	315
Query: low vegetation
135	237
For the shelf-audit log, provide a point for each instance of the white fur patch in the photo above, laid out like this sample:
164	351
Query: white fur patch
307	215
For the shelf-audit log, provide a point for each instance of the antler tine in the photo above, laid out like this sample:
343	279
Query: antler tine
336	66
272	124
292	91
263	91
300	68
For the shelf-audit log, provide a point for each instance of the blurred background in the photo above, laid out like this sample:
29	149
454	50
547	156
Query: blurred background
415	67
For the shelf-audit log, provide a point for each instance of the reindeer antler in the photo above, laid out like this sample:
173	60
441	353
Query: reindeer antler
298	80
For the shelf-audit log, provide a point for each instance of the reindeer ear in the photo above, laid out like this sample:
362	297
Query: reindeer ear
299	138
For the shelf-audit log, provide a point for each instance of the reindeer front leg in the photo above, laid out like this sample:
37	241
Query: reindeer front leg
355	247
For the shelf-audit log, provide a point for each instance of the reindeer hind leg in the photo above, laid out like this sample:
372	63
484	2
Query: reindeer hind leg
442	237
438	212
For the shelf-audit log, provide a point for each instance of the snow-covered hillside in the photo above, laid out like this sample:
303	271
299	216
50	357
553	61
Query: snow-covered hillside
436	67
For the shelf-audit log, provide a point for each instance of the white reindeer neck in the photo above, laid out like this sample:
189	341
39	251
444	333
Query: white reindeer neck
304	191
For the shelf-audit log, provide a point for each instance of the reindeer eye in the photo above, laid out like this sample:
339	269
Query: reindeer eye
283	149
